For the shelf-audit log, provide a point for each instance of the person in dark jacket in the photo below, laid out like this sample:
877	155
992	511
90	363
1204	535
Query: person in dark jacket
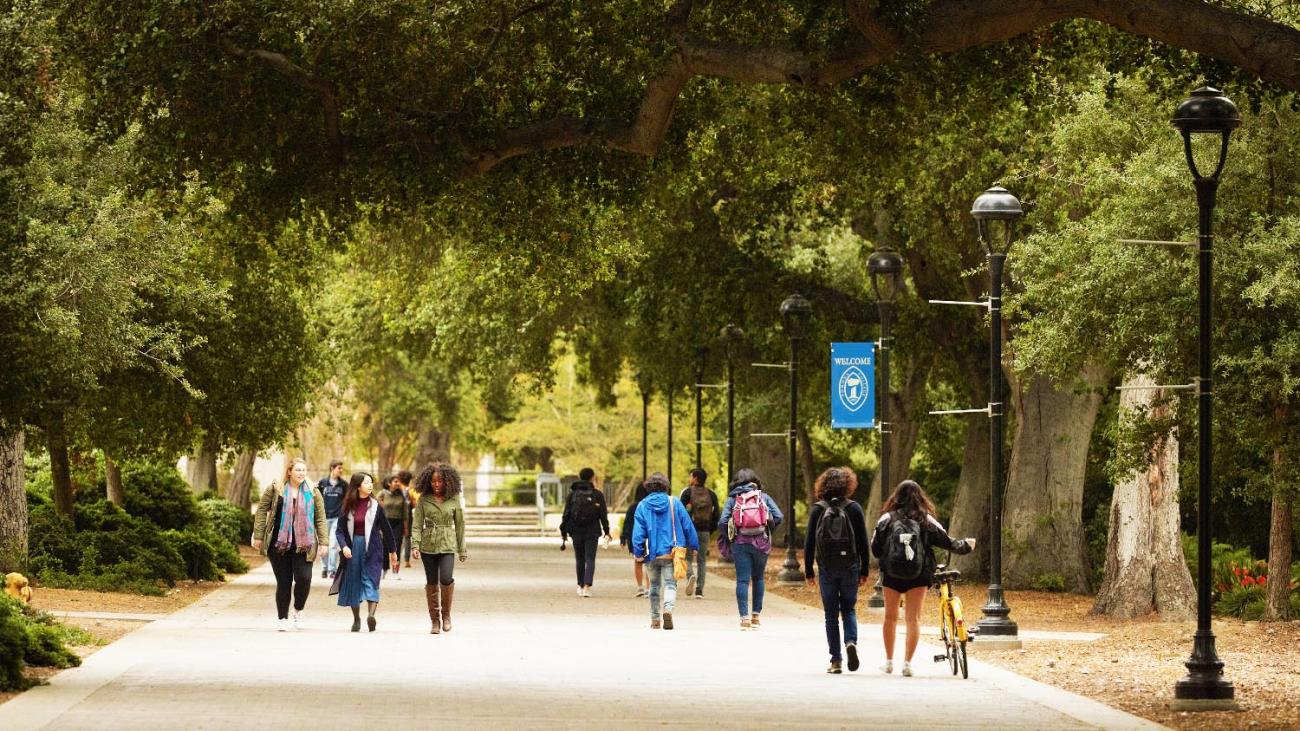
586	519
332	488
702	505
625	540
841	572
392	497
366	539
910	502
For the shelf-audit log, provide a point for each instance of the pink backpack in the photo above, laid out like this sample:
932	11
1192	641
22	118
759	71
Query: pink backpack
749	513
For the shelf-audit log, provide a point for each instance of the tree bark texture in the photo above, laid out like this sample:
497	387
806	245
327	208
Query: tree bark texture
241	481
1145	569
1277	595
434	445
60	471
13	496
113	481
1263	47
905	403
769	457
970	504
807	467
1043	506
201	469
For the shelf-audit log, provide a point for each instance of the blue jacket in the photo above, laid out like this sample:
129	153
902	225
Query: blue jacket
773	512
652	526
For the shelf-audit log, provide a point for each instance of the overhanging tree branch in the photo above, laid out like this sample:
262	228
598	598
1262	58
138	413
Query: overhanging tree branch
301	77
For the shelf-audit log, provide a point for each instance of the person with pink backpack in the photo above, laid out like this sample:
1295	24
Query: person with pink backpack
747	522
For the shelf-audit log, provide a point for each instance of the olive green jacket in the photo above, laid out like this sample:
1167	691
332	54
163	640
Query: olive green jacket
269	505
438	526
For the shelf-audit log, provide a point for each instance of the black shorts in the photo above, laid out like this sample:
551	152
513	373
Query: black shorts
904	585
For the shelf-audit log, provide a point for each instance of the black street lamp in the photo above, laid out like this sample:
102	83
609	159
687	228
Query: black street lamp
886	268
996	212
732	335
1206	112
795	311
644	384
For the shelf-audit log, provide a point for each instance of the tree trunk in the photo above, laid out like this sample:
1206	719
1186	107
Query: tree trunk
1277	595
60	473
807	467
1145	569
113	481
1043	509
770	459
201	469
970	504
433	445
241	482
13	496
904	404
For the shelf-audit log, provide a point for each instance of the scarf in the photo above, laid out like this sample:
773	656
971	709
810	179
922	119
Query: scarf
296	519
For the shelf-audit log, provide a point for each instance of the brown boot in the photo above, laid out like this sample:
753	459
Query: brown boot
431	597
446	591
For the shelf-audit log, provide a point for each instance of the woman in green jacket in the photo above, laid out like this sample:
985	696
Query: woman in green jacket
290	530
438	532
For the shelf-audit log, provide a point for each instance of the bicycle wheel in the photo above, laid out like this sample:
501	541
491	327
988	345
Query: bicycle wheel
950	626
961	652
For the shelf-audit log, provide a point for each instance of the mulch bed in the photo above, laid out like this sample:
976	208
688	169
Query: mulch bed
1134	667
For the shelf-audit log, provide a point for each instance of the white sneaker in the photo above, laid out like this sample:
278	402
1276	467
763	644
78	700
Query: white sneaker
907	669
282	625
887	667
640	591
297	619
587	592
579	591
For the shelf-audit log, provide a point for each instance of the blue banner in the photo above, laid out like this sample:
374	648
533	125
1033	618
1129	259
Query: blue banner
853	385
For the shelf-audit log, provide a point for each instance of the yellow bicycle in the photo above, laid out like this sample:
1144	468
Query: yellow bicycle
952	626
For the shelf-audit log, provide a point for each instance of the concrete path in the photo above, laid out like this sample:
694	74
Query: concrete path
525	653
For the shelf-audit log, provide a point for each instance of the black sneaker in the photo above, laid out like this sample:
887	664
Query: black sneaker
356	625
370	623
851	650
324	573
668	620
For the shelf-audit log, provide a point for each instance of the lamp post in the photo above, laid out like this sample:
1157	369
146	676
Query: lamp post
731	335
1206	112
996	212
886	268
644	384
795	311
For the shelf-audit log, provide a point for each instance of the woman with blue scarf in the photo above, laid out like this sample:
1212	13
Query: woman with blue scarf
366	538
290	529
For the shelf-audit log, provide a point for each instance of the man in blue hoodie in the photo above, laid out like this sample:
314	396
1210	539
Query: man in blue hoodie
661	523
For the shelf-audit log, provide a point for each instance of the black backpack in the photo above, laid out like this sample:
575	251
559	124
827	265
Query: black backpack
701	506
836	545
904	554
586	507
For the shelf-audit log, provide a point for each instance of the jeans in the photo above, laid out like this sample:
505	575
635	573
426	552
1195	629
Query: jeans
404	549
438	568
750	565
292	575
660	571
839	600
584	556
332	557
697	561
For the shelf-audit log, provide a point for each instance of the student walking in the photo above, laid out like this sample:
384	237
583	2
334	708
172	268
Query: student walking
290	530
403	481
586	519
366	539
748	519
625	540
438	537
661	526
837	540
332	487
906	534
702	504
397	508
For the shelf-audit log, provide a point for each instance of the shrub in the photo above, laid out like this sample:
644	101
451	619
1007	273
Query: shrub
158	493
233	523
1048	582
109	550
28	637
13	645
1246	602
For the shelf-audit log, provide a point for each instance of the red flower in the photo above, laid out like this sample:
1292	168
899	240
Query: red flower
1223	588
1262	580
1236	571
1246	581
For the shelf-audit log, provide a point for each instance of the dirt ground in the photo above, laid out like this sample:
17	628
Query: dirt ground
1134	667
106	631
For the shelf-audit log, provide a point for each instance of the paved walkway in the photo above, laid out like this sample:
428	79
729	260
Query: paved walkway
525	653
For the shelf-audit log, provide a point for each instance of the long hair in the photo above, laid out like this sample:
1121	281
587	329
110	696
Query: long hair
744	476
447	476
640	493
836	482
353	494
910	500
